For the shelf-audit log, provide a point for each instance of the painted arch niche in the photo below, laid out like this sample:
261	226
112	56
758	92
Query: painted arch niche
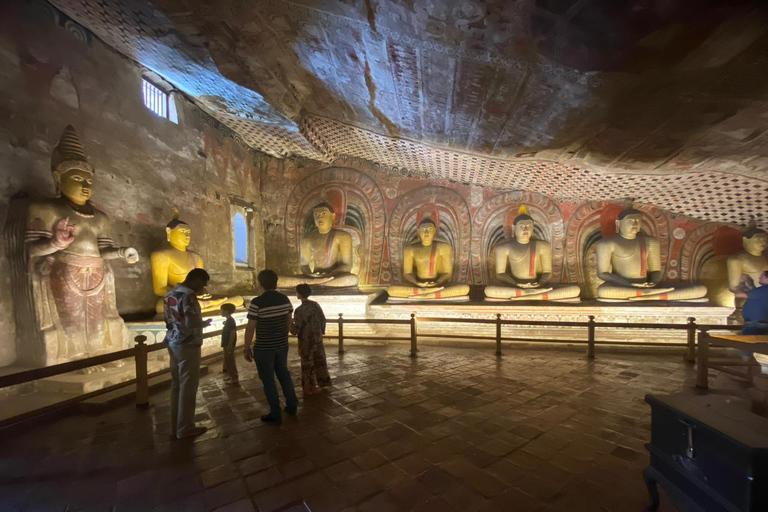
359	207
596	220
450	212
703	258
492	225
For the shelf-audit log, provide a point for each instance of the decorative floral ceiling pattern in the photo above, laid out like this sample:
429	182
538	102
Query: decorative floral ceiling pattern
587	99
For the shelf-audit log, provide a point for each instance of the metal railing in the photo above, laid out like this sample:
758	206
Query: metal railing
141	350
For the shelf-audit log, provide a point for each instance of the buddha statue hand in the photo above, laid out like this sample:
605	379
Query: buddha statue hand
129	254
63	234
427	284
318	280
431	290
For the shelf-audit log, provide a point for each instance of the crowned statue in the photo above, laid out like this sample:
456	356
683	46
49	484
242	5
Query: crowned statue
171	265
325	254
428	267
69	244
745	267
630	264
529	262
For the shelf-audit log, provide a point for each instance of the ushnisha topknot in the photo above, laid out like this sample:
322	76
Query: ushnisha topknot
522	214
175	221
69	153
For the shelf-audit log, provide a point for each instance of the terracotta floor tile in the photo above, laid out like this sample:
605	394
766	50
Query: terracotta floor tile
453	430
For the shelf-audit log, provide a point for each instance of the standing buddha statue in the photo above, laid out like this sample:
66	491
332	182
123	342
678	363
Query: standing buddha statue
530	267
428	267
171	265
325	254
630	264
69	243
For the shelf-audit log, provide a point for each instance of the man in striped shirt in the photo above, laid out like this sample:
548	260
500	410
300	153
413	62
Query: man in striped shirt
269	317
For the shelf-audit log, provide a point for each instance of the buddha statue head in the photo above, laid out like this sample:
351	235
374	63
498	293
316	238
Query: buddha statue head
178	232
72	174
523	226
324	217
628	223
754	241
427	230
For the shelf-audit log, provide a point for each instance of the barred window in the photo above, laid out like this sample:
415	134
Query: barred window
155	98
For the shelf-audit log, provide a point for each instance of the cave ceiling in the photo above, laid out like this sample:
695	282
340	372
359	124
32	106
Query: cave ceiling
663	101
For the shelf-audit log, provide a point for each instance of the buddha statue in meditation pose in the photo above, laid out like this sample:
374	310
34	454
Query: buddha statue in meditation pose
428	267
325	254
745	267
530	267
630	264
69	242
171	265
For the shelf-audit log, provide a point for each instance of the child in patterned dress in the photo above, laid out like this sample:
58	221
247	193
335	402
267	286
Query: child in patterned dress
309	325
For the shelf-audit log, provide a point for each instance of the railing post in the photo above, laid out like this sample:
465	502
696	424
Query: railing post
498	335
702	369
690	350
142	379
591	337
414	347
341	333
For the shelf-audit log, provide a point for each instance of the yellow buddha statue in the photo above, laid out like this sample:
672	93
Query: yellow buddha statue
630	264
748	264
428	266
325	254
530	267
171	265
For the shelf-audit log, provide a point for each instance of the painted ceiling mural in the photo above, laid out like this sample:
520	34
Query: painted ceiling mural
665	101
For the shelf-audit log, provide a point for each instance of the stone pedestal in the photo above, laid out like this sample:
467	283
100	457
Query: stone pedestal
651	313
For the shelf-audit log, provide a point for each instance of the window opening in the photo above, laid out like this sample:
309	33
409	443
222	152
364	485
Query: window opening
155	99
240	230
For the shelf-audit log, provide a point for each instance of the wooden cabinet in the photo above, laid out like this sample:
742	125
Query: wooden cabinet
708	454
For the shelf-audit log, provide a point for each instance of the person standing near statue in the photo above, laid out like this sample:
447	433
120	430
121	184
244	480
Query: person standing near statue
755	310
228	343
184	321
269	318
309	325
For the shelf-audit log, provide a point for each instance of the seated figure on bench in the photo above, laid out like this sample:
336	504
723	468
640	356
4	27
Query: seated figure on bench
428	267
530	267
630	264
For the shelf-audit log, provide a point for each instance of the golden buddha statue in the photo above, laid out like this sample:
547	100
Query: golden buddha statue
748	264
530	267
325	254
170	266
428	266
630	264
69	243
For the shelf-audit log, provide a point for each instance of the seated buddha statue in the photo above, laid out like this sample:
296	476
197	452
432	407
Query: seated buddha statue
171	265
630	264
530	267
749	263
325	254
428	267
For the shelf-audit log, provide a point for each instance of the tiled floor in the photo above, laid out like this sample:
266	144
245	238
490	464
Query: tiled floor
454	430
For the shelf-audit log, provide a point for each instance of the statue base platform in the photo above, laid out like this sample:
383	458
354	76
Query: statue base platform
656	312
351	302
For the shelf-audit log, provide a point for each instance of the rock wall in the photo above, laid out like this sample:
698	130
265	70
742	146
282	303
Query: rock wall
53	73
